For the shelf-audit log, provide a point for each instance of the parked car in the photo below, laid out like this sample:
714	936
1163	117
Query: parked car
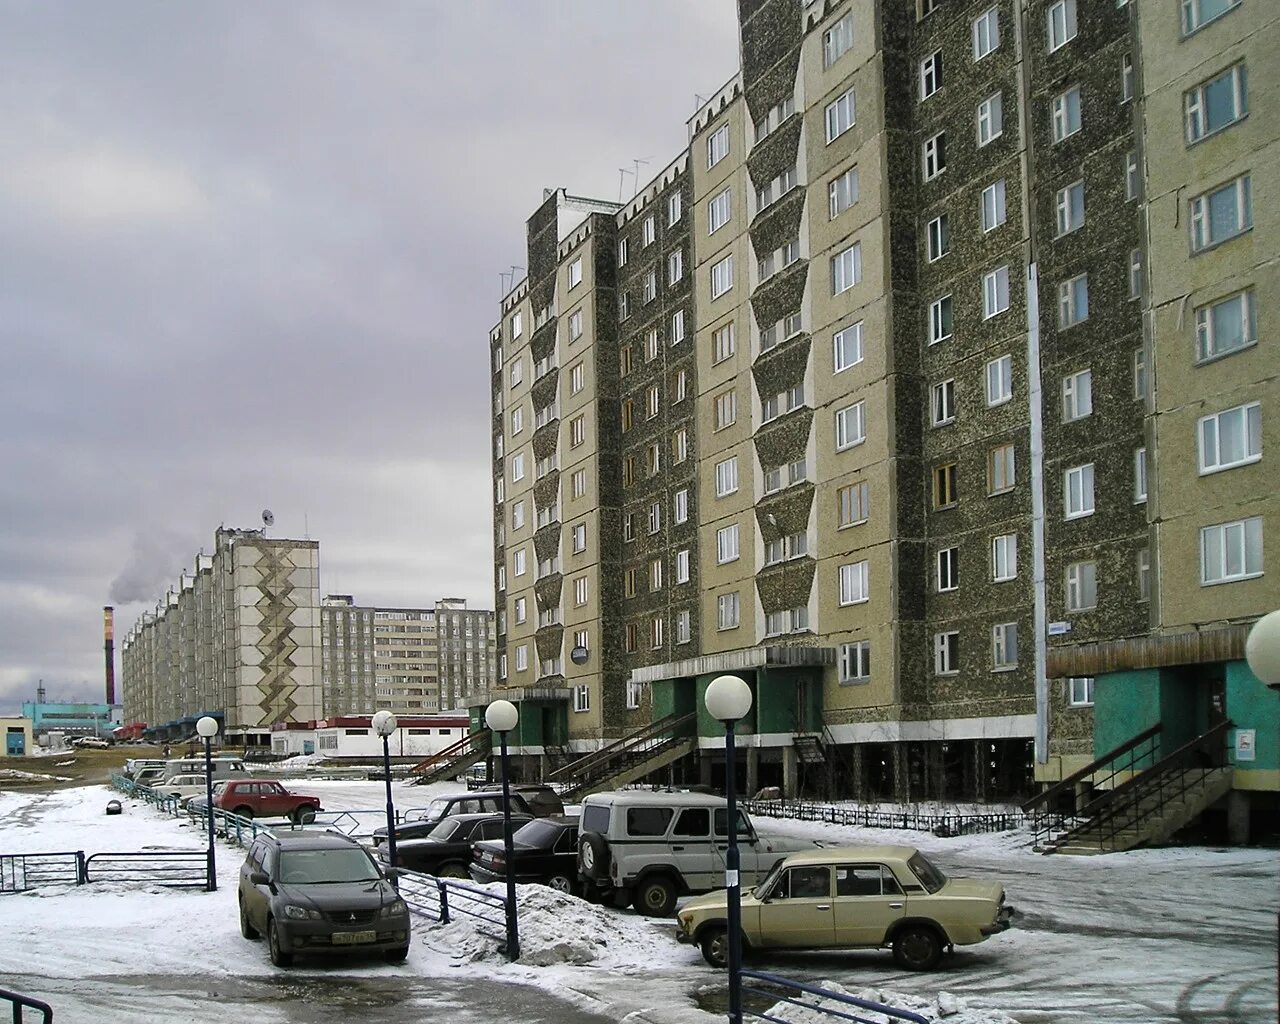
223	767
545	850
91	743
446	851
419	821
854	897
651	848
259	799
319	892
134	765
149	776
184	787
199	803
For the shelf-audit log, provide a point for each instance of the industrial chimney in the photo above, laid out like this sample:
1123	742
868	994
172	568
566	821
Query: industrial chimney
109	651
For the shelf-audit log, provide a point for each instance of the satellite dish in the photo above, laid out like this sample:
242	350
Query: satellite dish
268	517
578	655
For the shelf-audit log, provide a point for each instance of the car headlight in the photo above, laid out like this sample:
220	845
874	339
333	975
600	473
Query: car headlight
685	921
397	909
302	913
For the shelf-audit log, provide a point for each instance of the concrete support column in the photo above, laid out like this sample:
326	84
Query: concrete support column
901	774
979	770
934	772
704	767
1238	817
857	780
790	773
1082	795
753	771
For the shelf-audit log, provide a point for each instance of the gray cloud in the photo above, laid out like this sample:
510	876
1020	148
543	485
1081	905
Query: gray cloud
252	253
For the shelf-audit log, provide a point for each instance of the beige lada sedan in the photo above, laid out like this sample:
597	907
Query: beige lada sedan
853	897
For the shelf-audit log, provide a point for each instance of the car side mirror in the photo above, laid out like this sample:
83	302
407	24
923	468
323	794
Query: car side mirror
259	878
393	872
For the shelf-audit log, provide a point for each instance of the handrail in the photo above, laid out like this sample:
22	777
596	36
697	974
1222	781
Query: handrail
18	1001
840	998
668	723
1092	768
464	746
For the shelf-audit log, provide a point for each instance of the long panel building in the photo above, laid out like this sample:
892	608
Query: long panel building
902	392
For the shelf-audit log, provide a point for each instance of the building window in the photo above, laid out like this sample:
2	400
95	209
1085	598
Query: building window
1070	208
1077	396
580	591
628	414
722	277
847	347
930	75
517	467
648	232
850	426
1230	438
995	292
842	192
726	409
986	33
577	431
934	155
522	658
682	565
939	319
727	611
1078	492
1198	13
999	380
855	662
655	518
993	205
675	266
727	476
1082	586
655	575
681	502
723	344
581	698
680	445
1135	273
1221	214
624	305
717	145
1062	24
1004	557
1144	574
990	119
942	407
653	459
579	537
837	40
846	269
1066	114
652	401
854	583
727	544
520	610
577	378
1231	551
1216	104
1073	301
682	386
938	236
948	563
852	503
1132	183
718	212
1225	326
674	208
1139	374
1004	646
578	483
840	116
1080	691
575	273
946	653
684	626
944	486
1139	475
649	289
630	643
1000	469
517	515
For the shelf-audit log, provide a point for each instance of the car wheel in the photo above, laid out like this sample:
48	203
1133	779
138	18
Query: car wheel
278	956
917	948
243	812
304	815
621	898
593	855
452	871
396	956
656	897
561	883
246	929
714	943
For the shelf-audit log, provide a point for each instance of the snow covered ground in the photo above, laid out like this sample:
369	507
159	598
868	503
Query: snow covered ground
1151	937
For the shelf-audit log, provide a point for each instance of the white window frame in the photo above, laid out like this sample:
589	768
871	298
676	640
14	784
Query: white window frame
990	119
855	662
1201	223
727	477
1081	578
675	208
998	380
992	206
846	269
728	612
986	33
993	302
1073	301
1069	218
851	426
947	570
1077	395
717	146
933	155
930	75
728	548
722	277
675	266
723	343
840	115
1193	19
1080	691
942	403
937	324
854	583
1139	476
1209	432
842	192
937	238
846	347
682	565
726	409
680	513
946	653
1068	115
1004	557
837	40
1196	109
1233	539
719	210
1079	478
1061	26
1004	646
1206	330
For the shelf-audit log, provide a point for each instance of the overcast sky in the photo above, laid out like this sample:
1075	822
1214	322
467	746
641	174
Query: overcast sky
250	256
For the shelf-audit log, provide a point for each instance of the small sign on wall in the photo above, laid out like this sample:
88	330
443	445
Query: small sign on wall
1246	748
1059	628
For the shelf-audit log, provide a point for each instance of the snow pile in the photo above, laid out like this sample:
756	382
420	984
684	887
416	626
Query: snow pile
556	928
298	762
945	1007
17	775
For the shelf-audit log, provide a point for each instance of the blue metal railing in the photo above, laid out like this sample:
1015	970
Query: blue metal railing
440	899
18	1001
846	1006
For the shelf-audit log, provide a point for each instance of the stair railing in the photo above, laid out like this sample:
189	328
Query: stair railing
464	748
649	740
1106	773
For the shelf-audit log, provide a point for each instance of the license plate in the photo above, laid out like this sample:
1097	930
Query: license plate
351	938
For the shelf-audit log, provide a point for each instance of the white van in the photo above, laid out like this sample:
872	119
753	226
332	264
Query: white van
223	768
183	786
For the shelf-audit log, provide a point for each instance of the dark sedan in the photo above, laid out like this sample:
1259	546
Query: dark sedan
447	850
419	821
545	851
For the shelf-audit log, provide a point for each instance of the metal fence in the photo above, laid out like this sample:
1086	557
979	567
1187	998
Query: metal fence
22	871
910	821
442	899
836	1005
175	869
18	1002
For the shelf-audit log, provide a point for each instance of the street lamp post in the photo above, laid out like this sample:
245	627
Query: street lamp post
501	717
207	727
1262	650
384	724
728	700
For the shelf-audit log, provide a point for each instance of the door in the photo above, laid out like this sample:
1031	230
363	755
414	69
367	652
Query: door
797	911
868	900
754	862
693	852
15	742
274	800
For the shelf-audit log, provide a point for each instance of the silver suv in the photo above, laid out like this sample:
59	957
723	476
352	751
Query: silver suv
650	848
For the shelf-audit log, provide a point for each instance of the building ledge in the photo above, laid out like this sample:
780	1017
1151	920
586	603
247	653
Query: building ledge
735	661
1190	647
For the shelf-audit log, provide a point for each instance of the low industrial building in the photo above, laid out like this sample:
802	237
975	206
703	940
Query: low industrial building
353	737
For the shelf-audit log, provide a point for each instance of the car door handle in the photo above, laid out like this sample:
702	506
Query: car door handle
678	848
823	906
895	906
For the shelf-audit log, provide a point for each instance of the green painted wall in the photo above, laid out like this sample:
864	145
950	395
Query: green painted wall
673	697
1124	703
708	726
1252	706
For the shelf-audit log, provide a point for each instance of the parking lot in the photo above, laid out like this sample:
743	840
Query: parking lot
1158	936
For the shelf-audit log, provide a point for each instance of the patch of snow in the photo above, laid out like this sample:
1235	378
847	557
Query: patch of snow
942	1007
18	775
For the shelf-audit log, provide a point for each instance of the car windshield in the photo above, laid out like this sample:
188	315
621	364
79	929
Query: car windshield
930	877
541	834
445	830
769	879
322	867
437	808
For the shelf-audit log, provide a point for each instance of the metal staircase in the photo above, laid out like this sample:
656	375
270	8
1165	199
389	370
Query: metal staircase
452	761
809	749
629	759
1136	800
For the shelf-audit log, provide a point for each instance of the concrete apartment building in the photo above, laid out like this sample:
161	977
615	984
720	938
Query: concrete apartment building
238	638
883	395
411	661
